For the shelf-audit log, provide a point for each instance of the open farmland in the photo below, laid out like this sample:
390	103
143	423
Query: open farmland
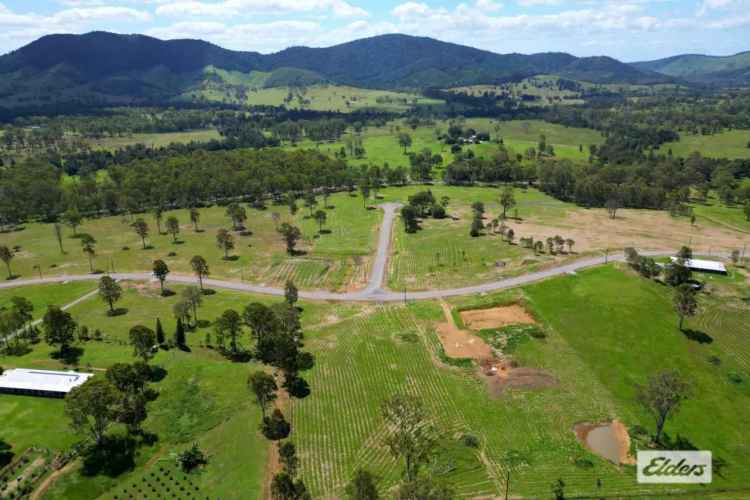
732	144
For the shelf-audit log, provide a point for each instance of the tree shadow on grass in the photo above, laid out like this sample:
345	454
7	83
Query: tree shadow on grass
231	258
69	356
208	291
697	336
325	231
118	311
167	293
12	277
156	373
112	457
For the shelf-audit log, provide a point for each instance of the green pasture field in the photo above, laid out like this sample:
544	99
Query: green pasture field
443	254
155	140
607	329
716	212
338	98
203	397
543	86
731	144
381	143
42	296
335	260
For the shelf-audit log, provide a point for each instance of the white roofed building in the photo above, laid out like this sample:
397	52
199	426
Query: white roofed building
41	382
706	266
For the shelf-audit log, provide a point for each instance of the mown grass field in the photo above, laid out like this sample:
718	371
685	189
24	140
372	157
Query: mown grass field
334	260
732	144
381	143
714	211
443	254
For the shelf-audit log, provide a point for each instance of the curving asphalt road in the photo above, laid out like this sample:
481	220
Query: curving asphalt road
374	291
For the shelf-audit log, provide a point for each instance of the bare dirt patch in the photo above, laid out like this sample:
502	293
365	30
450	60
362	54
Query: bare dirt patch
496	317
459	343
609	440
502	375
593	229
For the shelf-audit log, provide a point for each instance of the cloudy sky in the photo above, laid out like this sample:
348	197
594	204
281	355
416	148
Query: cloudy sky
626	29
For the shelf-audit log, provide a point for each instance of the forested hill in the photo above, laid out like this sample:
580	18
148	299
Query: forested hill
724	70
105	67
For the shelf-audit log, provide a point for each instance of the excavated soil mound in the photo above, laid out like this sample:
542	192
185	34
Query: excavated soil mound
502	376
609	440
497	317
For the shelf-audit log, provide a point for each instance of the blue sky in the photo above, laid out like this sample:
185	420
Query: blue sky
627	29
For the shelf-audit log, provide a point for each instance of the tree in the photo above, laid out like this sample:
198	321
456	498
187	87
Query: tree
290	293
110	291
160	337
363	486
237	213
275	427
179	333
173	227
182	310
195	217
260	319
143	340
310	201
411	436
92	407
291	235
291	201
229	324
59	328
73	219
225	241
507	199
6	255
612	205
662	396
675	273
191	458
88	244
364	189
746	209
263	386
200	268
410	217
158	216
284	487
685	302
58	235
161	270
288	458
735	257
320	217
141	229
404	140
193	296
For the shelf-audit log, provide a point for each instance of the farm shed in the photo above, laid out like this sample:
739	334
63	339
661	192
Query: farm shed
45	383
705	266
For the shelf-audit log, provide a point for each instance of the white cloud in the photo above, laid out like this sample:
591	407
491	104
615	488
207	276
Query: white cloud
104	13
488	5
232	8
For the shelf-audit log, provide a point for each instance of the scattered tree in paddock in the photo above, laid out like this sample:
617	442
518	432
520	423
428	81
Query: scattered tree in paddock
58	236
310	201
363	486
662	396
291	235
191	458
229	325
676	273
59	328
73	219
200	268
88	245
291	202
291	294
141	229
158	216
225	241
424	488
173	227
404	140
364	190
685	302
237	214
411	436
160	337
6	255
143	340
275	427
613	205
507	200
284	487
193	296
276	218
195	217
110	291
571	243
161	270
92	407
288	458
179	333
410	217
320	217
260	319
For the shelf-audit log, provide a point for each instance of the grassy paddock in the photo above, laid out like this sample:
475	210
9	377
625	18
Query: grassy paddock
730	144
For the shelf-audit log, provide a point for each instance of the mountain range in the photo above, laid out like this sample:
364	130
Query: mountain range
107	68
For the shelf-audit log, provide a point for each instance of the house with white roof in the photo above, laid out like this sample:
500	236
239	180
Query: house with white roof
55	384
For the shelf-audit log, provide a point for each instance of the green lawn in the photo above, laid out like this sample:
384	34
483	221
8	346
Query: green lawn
335	260
42	296
732	144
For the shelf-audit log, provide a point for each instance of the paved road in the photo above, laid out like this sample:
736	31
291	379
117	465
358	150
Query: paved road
374	291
